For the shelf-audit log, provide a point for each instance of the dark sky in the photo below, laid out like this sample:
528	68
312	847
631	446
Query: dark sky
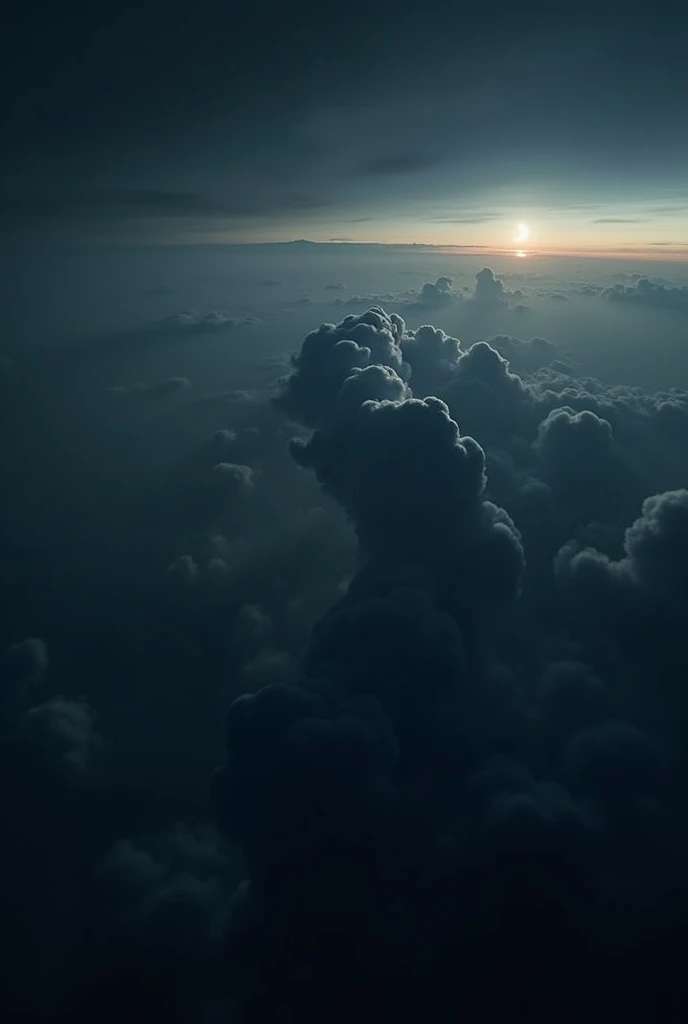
344	588
375	120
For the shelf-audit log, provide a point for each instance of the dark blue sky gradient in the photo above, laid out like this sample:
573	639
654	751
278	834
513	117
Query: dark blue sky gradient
175	121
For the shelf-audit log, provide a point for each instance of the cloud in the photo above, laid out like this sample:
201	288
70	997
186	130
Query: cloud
165	387
125	203
61	733
374	790
488	288
24	666
580	461
335	286
404	298
474	218
487	399
329	355
490	291
398	163
524	356
646	293
455	689
164	900
437	294
232	478
644	591
432	355
619	220
187	320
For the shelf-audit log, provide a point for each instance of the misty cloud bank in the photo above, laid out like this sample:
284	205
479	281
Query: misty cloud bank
442	587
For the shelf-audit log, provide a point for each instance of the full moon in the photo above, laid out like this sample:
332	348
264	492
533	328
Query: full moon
522	233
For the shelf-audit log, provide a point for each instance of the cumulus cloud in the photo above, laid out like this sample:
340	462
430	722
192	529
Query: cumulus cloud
645	292
232	478
490	290
645	589
437	294
329	354
524	356
438	647
509	760
61	733
577	454
486	398
432	356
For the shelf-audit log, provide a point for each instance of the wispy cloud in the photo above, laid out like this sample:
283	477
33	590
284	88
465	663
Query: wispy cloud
683	208
619	220
398	163
114	203
473	218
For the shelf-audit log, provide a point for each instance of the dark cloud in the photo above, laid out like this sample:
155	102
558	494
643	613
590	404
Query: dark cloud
486	398
232	478
61	733
432	355
645	589
329	355
24	667
453	777
506	837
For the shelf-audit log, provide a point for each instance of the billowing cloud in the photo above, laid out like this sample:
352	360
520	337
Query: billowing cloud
488	288
437	294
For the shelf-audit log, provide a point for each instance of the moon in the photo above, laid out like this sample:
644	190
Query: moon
522	233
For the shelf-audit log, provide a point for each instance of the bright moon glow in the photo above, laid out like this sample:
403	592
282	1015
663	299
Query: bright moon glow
522	233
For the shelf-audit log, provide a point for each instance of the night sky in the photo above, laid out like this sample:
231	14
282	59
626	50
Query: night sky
344	514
